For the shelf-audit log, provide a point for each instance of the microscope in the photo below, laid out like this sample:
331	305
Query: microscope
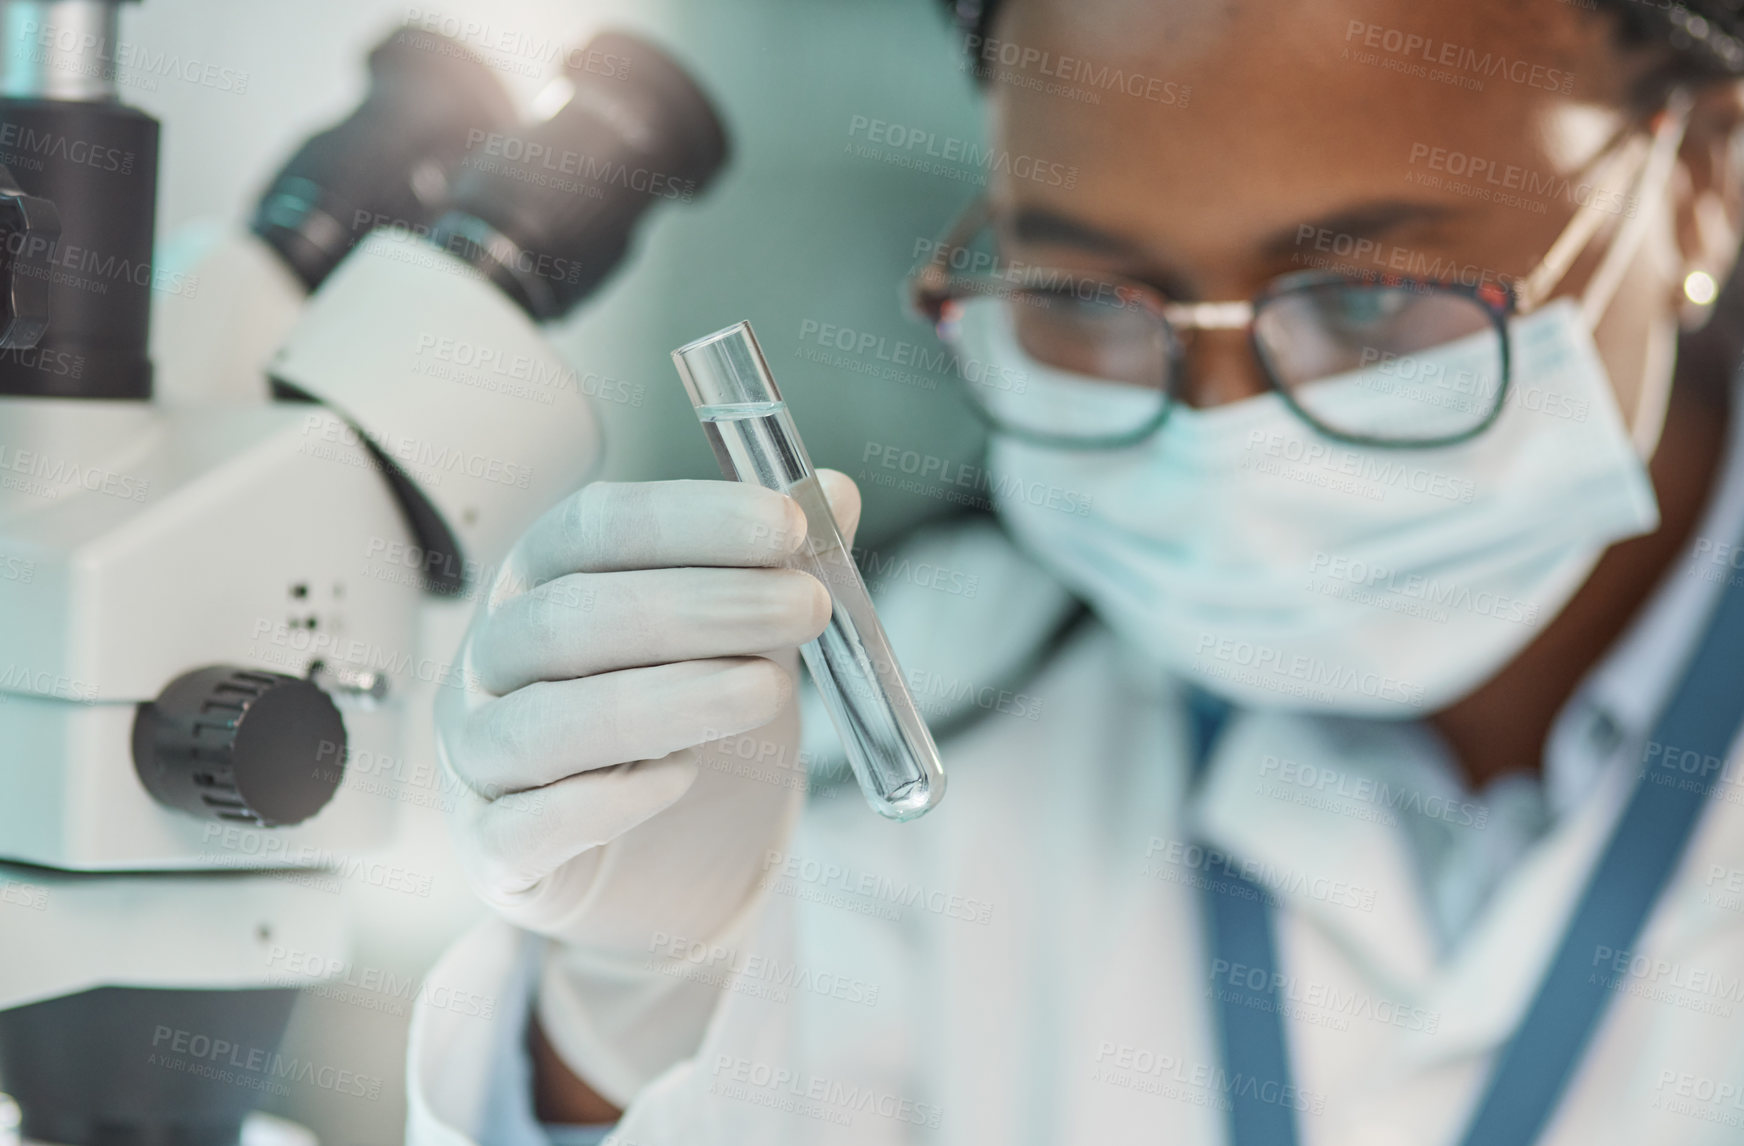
188	654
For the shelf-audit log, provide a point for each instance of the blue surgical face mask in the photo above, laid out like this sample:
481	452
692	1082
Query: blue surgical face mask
1281	569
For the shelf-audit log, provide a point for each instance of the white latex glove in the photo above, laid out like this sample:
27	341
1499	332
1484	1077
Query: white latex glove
624	735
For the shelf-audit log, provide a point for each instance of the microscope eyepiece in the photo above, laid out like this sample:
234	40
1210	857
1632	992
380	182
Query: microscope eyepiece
547	213
388	164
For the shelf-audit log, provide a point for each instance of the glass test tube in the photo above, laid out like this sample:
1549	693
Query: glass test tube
754	439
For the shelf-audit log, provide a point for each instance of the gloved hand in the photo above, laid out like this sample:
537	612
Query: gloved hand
624	735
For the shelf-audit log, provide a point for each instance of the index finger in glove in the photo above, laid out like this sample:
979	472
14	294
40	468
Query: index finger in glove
608	527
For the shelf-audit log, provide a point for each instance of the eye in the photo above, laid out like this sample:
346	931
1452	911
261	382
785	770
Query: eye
1356	309
1092	332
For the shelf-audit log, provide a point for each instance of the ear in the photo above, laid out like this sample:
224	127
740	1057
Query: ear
1709	200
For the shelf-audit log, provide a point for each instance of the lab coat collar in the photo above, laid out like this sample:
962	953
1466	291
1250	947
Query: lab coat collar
1612	714
1334	855
1305	805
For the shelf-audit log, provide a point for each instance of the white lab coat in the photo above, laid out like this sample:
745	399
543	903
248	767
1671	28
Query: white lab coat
1026	964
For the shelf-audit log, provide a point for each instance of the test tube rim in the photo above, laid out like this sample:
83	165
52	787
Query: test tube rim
720	335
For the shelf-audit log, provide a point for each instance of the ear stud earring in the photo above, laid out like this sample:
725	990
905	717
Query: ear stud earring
1700	288
1699	292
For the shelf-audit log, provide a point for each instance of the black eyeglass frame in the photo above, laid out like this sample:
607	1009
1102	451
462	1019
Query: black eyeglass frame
934	288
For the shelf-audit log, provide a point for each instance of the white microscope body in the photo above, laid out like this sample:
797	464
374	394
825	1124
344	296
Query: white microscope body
151	539
206	608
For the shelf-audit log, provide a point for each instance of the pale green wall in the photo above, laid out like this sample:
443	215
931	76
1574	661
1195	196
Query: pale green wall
797	229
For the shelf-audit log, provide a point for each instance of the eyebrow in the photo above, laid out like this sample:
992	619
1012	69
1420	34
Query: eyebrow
1047	227
1364	221
1043	225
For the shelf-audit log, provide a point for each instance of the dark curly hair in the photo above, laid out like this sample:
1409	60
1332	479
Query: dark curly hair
1703	41
1705	37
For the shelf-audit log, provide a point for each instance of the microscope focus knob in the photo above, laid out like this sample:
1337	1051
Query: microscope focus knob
240	745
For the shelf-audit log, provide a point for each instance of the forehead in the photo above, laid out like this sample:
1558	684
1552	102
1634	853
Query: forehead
1233	115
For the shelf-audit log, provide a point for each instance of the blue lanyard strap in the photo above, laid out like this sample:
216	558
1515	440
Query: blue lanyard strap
1244	991
1695	731
1250	1021
1698	725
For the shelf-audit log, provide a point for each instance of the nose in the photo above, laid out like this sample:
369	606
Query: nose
1219	367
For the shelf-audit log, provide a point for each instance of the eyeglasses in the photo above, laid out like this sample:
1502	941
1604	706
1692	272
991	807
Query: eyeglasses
1375	360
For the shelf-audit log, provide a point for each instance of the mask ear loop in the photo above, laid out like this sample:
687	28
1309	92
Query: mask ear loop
1648	420
1534	288
1650	406
1653	184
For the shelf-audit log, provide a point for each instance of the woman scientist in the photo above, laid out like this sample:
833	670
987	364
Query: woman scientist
1383	799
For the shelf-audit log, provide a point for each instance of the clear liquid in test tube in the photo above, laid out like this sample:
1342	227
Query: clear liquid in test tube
742	412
